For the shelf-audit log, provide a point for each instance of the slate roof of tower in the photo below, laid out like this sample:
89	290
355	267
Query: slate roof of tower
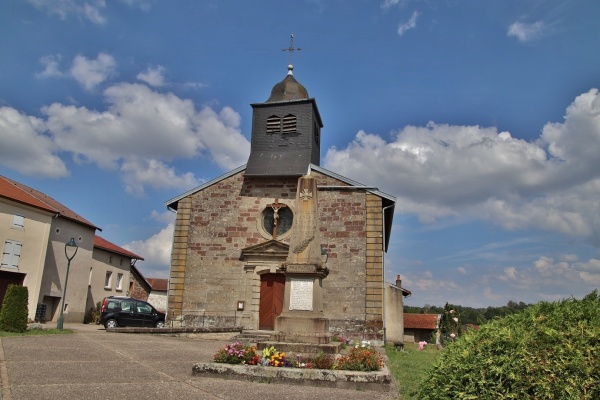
288	89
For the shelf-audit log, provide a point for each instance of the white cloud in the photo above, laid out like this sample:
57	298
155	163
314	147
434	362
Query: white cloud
142	130
89	9
17	134
90	73
153	76
156	251
389	3
410	24
144	5
526	32
138	173
441	170
489	295
51	69
166	217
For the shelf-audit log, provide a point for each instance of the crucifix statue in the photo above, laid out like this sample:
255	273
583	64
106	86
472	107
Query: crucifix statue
276	207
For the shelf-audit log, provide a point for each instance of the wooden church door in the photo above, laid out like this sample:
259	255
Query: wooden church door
272	288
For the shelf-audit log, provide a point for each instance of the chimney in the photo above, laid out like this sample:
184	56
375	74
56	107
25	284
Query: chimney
398	281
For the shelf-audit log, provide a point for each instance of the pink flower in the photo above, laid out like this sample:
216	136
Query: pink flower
452	335
422	345
455	319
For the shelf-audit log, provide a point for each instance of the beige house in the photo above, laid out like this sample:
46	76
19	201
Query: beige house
34	229
109	272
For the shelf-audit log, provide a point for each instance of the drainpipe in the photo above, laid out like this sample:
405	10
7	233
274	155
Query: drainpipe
383	269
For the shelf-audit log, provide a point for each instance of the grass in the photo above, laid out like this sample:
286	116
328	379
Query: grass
409	367
37	332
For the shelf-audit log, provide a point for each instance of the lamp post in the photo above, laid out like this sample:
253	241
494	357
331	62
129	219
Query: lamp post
71	243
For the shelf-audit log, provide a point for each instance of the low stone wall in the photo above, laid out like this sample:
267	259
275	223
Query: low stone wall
381	381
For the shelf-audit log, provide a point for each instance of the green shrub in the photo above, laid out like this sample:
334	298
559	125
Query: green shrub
13	317
548	351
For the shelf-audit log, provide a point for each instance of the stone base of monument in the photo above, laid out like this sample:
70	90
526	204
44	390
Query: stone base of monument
381	381
302	351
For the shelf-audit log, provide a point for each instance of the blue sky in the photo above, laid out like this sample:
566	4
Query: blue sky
481	117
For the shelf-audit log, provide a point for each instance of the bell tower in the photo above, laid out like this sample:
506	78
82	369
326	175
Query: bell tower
286	131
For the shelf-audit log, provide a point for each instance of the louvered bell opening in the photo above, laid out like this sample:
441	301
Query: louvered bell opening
273	124
289	124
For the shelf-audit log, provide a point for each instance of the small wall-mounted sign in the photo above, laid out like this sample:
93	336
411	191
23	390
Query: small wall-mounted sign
240	306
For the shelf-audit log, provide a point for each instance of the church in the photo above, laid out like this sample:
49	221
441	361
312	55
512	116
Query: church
232	234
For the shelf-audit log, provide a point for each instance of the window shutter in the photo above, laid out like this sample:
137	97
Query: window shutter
11	255
273	124
18	221
289	123
6	253
16	256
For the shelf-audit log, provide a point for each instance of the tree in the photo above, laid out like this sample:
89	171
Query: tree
450	325
13	317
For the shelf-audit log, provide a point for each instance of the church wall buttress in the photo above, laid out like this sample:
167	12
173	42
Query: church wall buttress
178	260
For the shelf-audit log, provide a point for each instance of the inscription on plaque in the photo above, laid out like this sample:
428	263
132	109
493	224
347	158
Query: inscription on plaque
301	294
301	269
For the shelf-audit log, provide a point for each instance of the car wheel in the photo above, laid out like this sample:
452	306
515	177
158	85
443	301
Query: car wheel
111	323
160	324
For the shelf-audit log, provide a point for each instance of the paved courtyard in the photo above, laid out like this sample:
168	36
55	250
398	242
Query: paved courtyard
95	364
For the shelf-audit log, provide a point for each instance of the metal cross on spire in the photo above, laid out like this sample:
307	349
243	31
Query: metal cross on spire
291	49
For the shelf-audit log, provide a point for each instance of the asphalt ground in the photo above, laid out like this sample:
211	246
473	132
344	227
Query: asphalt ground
95	364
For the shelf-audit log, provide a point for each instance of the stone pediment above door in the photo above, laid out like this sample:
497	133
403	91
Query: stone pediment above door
271	250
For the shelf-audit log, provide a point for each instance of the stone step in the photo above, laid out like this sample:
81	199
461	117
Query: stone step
253	336
303	350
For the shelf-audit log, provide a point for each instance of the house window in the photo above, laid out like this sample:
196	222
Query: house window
110	259
18	221
108	280
11	254
273	124
90	277
289	123
119	281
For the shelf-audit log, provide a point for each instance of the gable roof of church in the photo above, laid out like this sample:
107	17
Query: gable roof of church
388	201
172	203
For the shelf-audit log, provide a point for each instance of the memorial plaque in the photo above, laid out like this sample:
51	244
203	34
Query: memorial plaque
301	294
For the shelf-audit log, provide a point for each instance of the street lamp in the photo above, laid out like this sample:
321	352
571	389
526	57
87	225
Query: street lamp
71	243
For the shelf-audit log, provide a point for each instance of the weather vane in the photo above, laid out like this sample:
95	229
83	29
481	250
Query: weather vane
291	49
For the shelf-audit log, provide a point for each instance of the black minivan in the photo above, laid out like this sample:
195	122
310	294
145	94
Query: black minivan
126	311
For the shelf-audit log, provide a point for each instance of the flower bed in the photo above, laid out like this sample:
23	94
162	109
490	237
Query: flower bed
360	356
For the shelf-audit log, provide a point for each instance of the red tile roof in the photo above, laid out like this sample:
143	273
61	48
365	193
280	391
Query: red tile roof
23	194
102	243
420	321
161	285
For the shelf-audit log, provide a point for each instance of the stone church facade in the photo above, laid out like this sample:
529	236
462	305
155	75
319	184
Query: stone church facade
232	234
